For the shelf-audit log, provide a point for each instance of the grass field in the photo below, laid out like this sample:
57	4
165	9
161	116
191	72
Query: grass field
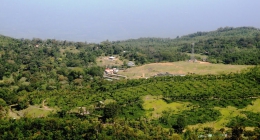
154	106
182	67
32	111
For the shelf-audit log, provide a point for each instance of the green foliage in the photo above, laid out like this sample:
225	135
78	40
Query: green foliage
201	115
189	135
180	124
237	132
55	128
45	129
95	71
111	110
2	102
133	111
252	120
189	117
64	74
228	46
22	103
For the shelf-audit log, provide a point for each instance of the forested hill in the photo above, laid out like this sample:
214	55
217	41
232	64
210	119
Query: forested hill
225	45
226	32
50	64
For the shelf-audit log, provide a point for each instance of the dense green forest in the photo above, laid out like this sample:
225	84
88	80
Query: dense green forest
62	78
125	116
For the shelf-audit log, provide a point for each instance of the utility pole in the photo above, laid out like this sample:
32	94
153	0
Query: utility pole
192	53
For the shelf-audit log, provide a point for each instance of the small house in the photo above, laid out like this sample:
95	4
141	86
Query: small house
108	71
115	70
111	58
130	64
111	71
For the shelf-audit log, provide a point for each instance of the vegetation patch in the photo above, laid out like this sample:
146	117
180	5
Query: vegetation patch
254	107
32	111
191	117
231	115
107	101
71	49
104	61
39	75
155	106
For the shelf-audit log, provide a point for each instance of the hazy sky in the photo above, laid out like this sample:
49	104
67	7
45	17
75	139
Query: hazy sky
99	20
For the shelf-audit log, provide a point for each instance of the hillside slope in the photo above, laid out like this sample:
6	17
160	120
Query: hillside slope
226	45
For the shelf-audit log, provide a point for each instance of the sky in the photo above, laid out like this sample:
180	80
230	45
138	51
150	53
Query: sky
100	20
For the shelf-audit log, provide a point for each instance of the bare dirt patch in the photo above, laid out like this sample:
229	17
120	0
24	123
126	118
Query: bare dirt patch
201	62
44	106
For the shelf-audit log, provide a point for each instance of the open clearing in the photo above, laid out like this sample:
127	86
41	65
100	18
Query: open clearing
33	111
182	67
104	61
154	106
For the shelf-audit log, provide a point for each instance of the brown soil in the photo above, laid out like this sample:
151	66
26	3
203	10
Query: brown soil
45	107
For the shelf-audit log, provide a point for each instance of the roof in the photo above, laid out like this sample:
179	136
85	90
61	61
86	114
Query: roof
131	63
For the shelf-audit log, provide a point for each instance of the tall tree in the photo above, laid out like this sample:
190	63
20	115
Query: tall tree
181	124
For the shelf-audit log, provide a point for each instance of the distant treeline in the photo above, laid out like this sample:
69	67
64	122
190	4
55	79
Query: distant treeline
226	45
